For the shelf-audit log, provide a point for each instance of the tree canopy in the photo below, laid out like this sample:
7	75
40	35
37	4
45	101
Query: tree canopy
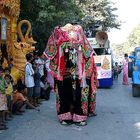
46	14
133	40
99	12
134	37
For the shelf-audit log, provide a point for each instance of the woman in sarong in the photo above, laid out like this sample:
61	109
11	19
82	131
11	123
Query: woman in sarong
125	69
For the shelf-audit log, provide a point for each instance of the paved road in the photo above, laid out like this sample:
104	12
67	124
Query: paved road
118	119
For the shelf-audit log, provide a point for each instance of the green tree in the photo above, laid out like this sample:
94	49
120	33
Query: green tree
134	37
117	50
128	46
46	14
99	12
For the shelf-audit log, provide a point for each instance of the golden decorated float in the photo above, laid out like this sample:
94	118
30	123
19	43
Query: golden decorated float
10	49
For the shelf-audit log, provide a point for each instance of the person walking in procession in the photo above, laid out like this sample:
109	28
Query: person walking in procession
72	67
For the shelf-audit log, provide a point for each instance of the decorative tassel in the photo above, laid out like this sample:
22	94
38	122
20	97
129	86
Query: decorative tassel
66	50
79	48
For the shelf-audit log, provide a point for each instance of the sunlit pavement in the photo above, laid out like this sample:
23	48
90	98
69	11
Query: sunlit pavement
118	119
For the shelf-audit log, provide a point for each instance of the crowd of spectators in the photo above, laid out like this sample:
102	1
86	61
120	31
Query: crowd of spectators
27	93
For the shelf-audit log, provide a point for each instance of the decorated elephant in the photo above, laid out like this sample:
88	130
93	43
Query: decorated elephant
72	65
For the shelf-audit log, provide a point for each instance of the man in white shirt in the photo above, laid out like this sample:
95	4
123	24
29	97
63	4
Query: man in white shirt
29	77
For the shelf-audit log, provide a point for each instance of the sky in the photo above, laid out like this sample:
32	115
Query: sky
129	13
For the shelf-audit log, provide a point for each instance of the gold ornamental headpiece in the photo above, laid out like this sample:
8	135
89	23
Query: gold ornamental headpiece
13	6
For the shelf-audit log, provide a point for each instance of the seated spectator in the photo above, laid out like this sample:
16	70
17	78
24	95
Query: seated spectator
45	88
19	100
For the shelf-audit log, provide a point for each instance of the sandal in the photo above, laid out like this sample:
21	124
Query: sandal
66	122
2	124
21	111
92	114
83	123
11	116
18	113
2	127
7	119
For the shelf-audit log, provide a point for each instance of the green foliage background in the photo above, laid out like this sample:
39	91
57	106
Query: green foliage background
44	15
132	41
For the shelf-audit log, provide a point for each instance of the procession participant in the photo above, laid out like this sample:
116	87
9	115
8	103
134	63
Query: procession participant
68	51
65	95
93	83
